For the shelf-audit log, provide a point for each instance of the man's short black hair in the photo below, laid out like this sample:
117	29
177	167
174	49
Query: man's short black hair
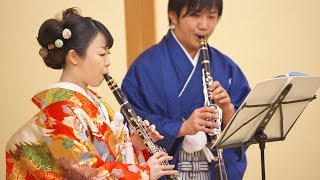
194	6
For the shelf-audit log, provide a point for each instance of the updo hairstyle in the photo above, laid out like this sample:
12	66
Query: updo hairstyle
83	31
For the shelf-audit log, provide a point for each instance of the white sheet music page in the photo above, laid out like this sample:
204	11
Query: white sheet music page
255	107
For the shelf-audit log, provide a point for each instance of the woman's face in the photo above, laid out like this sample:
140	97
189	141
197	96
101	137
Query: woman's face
95	63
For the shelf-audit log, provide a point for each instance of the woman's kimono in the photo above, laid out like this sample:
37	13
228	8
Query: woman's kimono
74	136
164	87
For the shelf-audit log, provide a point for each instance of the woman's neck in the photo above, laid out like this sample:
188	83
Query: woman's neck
69	77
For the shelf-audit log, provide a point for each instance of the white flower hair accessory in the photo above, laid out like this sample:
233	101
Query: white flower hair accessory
66	33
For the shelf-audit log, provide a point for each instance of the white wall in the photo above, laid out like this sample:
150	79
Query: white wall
268	38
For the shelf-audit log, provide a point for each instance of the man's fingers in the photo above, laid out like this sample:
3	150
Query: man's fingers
208	115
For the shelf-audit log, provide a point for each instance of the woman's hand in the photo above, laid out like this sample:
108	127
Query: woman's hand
151	130
157	166
137	142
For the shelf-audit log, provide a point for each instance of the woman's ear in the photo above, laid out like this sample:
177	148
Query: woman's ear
72	57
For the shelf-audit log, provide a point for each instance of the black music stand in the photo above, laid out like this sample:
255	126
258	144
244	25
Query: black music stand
268	113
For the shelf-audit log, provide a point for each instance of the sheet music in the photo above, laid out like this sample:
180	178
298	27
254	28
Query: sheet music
243	125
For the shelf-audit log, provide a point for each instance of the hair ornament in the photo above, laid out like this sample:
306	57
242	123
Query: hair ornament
66	33
172	26
58	43
43	52
51	46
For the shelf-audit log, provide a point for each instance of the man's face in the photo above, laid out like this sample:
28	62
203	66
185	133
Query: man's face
189	28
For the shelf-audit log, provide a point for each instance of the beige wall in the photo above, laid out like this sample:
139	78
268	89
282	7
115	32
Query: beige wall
268	38
23	73
265	38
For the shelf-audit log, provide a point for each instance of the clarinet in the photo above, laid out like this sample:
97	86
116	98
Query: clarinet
136	122
207	81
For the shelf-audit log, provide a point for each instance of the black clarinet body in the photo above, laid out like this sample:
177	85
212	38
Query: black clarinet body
207	81
136	122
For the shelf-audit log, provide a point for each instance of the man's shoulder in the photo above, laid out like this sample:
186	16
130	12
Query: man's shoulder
149	56
218	53
155	52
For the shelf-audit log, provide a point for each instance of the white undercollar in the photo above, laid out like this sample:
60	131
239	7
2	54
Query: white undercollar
193	61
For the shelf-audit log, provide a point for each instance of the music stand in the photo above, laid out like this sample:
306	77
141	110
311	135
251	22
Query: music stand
268	113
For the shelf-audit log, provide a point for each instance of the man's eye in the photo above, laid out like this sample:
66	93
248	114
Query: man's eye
103	54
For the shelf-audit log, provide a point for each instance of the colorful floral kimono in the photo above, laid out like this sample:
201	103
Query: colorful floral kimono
74	136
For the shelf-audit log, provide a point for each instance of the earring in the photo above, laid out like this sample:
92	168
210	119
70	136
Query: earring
171	26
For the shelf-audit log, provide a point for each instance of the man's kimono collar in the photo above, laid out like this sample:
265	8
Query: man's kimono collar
179	59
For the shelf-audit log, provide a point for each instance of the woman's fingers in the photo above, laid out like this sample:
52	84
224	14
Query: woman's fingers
165	158
159	154
152	128
146	123
166	167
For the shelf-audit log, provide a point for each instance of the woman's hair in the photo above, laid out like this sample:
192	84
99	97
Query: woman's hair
82	29
194	6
